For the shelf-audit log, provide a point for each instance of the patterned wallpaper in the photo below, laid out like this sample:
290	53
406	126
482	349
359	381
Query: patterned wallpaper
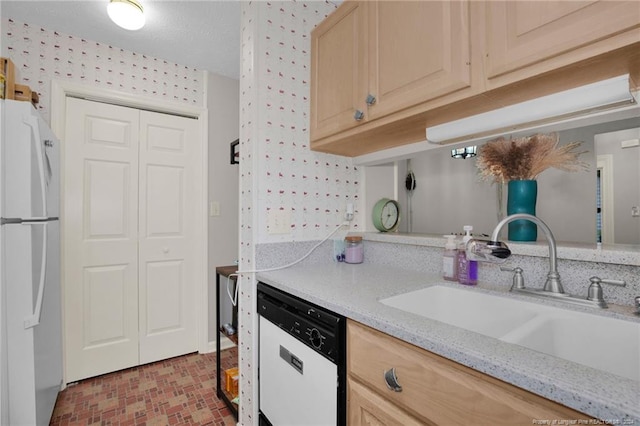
248	144
41	55
277	168
315	187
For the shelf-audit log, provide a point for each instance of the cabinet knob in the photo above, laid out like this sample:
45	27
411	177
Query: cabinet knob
392	380
370	99
359	115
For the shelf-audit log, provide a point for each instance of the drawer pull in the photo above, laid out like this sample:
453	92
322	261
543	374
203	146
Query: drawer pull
392	380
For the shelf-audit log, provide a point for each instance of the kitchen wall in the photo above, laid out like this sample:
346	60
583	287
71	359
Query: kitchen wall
223	97
41	55
313	187
277	169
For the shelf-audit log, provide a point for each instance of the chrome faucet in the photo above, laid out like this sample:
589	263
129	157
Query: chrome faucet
553	283
495	251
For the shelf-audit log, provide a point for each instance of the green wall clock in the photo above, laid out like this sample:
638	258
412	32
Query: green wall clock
386	215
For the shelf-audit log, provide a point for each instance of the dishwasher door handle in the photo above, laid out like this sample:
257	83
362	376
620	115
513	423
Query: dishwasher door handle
291	359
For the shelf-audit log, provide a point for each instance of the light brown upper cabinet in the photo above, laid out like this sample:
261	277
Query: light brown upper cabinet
372	59
418	51
338	70
526	38
384	71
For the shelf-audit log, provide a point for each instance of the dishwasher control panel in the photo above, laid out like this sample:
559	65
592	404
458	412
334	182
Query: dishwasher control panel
316	327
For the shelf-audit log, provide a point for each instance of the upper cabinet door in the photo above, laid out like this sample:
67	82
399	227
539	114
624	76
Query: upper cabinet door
524	33
339	71
418	51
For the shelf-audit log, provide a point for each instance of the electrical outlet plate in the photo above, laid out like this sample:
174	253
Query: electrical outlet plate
279	221
343	215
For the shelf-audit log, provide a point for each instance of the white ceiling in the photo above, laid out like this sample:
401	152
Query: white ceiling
201	34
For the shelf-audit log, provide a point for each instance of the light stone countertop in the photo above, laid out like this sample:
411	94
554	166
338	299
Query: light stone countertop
355	290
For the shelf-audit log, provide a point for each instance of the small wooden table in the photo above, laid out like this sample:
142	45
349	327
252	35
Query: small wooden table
223	271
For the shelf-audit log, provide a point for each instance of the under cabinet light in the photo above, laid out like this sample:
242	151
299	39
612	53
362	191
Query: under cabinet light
603	95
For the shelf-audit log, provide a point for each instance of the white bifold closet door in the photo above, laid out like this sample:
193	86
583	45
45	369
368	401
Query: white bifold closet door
131	191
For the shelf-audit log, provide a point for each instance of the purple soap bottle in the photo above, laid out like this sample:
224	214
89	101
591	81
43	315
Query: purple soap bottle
467	269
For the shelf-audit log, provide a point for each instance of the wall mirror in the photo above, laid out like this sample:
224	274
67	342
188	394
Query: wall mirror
449	193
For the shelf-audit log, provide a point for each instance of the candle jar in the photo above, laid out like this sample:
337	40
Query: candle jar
354	249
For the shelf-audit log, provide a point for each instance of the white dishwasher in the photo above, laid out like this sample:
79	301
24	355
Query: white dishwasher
301	362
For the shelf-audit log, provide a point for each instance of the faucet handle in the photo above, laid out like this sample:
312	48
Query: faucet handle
598	280
595	292
518	278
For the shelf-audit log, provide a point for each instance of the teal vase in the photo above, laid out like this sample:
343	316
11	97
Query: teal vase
521	198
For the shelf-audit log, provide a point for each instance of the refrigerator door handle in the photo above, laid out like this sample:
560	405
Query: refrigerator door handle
20	221
32	122
34	319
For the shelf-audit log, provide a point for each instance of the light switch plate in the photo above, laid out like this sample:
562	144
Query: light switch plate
630	143
214	208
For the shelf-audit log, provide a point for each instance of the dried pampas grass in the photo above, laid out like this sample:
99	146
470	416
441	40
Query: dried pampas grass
525	158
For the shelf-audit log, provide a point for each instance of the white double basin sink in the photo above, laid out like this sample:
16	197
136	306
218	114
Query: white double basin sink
600	342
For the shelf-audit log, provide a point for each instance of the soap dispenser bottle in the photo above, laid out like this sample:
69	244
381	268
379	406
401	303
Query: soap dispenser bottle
467	269
450	259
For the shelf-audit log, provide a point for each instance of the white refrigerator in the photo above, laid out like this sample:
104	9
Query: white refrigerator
30	300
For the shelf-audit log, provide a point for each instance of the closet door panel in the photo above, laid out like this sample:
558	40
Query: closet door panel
133	257
100	231
170	179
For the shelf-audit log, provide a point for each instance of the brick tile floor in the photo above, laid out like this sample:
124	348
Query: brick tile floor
176	391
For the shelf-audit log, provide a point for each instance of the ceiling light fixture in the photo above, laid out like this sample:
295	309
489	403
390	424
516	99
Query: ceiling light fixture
127	14
558	107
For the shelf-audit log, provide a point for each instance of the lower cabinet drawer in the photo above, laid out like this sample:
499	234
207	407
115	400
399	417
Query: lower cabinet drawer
436	390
